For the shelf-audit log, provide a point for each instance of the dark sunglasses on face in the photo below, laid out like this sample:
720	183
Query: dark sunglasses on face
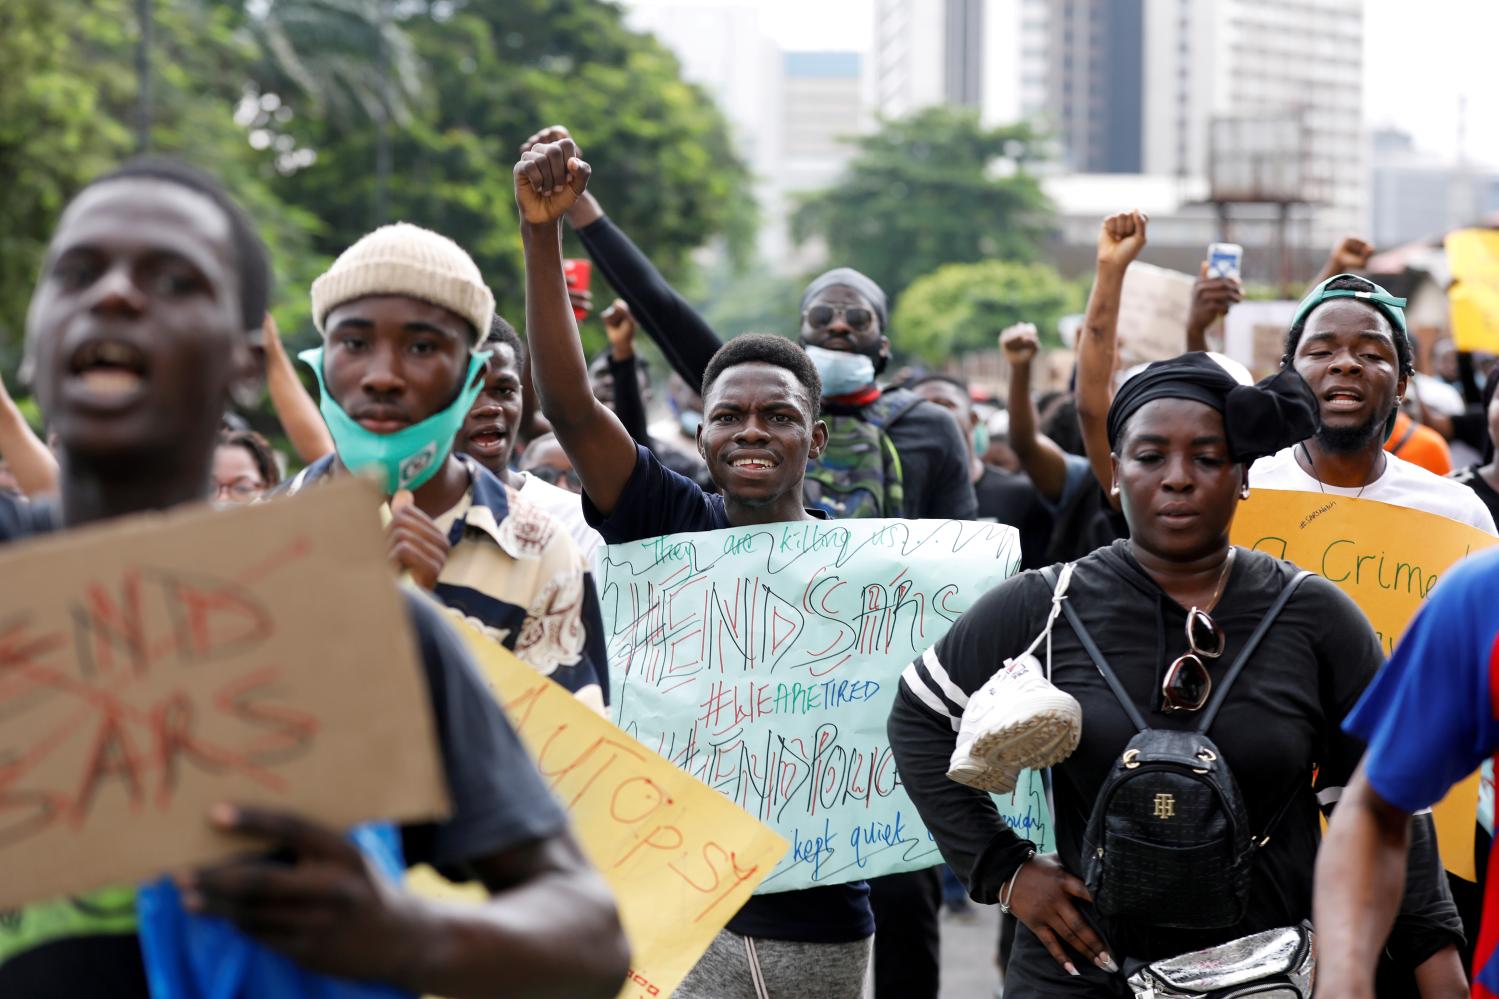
1188	683
820	317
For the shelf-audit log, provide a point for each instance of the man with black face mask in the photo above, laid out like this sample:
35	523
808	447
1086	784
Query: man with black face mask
1349	342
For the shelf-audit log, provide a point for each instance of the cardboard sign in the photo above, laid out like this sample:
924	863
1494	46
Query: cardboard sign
1254	334
1473	256
1388	559
1153	308
764	660
680	858
155	666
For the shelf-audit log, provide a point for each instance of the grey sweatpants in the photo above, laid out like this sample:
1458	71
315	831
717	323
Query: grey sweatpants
737	967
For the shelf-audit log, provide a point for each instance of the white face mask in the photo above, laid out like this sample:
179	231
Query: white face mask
841	371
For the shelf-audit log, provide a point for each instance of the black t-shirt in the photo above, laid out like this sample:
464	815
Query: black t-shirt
1007	498
658	501
1283	715
498	800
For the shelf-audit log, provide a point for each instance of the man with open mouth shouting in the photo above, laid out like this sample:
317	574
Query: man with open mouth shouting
141	325
1349	342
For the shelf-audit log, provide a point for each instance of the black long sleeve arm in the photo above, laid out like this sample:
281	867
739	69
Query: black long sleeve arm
629	406
683	336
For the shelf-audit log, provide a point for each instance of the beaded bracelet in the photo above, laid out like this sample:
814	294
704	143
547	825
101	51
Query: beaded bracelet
1008	891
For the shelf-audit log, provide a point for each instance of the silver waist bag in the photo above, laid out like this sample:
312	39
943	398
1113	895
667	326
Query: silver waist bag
1275	964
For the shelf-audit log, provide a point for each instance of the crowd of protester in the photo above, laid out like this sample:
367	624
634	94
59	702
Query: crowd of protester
510	458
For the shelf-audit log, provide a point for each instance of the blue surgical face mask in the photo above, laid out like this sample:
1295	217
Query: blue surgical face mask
841	371
408	458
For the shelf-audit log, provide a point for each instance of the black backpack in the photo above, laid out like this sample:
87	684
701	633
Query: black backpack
1169	843
859	473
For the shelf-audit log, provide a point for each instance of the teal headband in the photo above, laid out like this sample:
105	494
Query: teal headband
1392	307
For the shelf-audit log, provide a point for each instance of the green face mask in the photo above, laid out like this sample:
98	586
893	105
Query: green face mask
980	439
405	459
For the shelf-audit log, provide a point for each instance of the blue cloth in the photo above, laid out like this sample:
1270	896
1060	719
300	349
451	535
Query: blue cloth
204	957
1429	715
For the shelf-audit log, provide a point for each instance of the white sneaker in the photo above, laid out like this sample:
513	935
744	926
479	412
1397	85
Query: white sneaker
1015	721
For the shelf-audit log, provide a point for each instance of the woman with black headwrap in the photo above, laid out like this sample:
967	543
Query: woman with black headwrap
1170	608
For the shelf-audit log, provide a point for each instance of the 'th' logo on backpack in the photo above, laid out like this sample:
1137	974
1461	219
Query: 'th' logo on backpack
858	474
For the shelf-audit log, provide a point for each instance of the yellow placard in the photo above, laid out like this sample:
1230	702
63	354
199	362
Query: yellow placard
1387	558
680	857
1473	256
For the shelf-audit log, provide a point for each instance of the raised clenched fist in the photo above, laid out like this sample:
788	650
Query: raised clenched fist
619	324
552	133
1020	343
548	179
1121	238
1351	254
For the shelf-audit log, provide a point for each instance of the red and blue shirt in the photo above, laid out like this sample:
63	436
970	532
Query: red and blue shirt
1431	716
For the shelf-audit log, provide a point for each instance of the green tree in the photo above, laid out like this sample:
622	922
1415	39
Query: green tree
495	72
963	307
350	58
927	190
276	98
752	301
67	103
55	131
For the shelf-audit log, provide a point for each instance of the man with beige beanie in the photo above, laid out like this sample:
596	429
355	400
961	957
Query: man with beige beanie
402	313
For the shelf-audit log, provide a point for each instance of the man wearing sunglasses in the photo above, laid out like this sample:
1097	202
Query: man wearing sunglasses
844	321
889	453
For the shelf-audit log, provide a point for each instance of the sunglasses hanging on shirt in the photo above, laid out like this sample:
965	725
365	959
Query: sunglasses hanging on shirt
1188	684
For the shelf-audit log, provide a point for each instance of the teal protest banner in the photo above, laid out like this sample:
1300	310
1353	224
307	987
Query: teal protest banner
764	660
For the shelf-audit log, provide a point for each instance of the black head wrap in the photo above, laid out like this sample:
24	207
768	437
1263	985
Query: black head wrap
850	278
1257	419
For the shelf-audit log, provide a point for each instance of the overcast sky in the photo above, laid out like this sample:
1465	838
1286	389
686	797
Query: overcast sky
1420	56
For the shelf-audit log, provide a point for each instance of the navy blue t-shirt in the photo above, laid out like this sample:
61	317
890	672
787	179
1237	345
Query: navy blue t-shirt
658	501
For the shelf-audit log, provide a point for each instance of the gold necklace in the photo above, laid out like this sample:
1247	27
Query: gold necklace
1228	564
1384	461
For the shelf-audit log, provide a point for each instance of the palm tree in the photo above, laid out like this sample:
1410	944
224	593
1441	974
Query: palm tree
350	58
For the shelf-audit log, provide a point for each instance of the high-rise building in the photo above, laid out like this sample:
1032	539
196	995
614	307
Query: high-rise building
989	55
1416	195
792	112
1296	67
1095	83
821	110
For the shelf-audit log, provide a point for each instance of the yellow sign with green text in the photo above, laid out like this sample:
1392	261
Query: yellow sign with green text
680	857
1388	559
1473	256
